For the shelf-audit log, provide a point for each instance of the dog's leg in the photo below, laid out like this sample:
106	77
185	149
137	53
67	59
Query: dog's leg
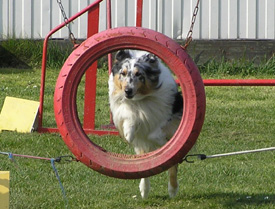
173	185
128	130
144	187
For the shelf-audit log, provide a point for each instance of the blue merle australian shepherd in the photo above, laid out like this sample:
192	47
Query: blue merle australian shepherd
146	106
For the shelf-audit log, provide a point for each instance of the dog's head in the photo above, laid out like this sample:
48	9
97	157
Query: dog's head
135	74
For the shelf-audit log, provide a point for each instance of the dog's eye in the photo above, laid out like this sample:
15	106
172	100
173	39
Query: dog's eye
137	74
123	73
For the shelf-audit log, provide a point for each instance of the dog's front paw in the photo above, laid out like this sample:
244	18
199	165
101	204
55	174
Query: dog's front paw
128	132
172	190
144	187
129	137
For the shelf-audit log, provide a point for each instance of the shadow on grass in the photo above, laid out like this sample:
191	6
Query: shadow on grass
8	59
236	200
219	200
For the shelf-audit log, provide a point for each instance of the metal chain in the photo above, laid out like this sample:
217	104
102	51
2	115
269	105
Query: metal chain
66	21
188	37
190	32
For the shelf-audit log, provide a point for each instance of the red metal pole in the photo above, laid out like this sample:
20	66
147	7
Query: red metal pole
42	85
109	14
139	13
90	77
109	26
110	59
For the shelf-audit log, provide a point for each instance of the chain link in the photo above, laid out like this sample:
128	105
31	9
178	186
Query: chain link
190	32
66	21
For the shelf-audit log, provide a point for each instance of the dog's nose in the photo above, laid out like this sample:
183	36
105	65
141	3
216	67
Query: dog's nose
129	92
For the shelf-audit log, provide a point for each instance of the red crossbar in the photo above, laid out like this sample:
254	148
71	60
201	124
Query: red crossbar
239	82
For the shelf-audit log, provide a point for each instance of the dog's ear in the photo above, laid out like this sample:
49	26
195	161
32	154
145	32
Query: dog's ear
151	58
122	54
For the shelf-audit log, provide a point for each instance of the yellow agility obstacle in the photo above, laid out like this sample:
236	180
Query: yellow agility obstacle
4	189
19	115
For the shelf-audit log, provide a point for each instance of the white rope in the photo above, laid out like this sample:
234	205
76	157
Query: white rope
203	156
240	152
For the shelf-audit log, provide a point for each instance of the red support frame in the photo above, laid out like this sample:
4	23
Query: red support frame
90	77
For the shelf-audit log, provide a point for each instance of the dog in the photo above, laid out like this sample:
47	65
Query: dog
146	106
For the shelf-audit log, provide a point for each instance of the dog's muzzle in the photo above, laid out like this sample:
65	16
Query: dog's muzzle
129	93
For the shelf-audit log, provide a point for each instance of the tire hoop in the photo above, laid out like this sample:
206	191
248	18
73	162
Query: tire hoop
120	165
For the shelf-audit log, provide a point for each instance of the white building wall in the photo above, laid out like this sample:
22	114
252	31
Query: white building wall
217	19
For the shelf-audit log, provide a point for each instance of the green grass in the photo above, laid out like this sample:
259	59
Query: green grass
239	67
237	118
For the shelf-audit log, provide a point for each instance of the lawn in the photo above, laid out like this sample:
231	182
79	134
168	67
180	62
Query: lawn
237	118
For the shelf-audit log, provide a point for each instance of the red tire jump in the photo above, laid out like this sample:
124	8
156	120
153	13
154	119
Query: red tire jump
120	165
